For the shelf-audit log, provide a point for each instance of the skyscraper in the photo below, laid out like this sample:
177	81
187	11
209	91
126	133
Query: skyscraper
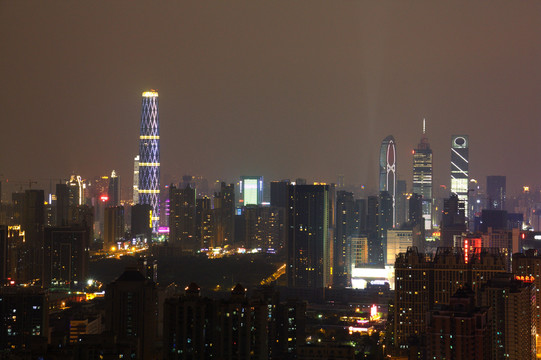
149	156
459	168
223	221
387	170
113	191
400	203
136	180
308	245
422	176
182	218
385	222
345	229
496	192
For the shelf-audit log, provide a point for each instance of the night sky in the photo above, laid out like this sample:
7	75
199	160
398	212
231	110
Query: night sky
283	89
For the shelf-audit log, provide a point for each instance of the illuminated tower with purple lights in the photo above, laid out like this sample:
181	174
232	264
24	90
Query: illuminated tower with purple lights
149	157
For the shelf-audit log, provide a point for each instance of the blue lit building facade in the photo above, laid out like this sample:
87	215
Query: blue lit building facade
149	157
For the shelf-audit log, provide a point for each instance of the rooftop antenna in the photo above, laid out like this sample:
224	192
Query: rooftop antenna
424	126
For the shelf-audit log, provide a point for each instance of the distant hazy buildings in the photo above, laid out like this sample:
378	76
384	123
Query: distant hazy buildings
387	170
422	176
149	156
398	241
496	188
460	168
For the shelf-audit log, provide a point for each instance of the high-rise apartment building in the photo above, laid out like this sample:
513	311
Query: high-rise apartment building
278	193
32	224
460	168
131	312
223	222
527	268
496	187
308	244
452	220
387	170
422	283
203	222
182	218
512	321
24	318
413	295
65	262
401	203
422	176
385	222
375	252
113	226
149	156
345	229
459	330
62	205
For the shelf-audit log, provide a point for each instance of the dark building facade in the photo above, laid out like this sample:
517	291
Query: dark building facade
182	218
345	229
24	318
496	189
308	243
459	330
66	254
223	222
131	313
141	224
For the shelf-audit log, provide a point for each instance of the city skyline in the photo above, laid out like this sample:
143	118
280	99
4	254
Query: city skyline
251	100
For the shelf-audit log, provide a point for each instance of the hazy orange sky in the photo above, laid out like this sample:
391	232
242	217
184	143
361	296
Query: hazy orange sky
282	89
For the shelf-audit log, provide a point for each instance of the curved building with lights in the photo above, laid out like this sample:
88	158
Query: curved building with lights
387	169
149	156
460	168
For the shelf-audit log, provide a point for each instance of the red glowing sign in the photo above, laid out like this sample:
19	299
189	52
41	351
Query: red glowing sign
526	279
104	198
466	250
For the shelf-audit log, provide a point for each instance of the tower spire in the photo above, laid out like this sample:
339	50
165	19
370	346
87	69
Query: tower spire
424	126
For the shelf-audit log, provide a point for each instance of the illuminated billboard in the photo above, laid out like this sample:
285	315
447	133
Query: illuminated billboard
251	189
